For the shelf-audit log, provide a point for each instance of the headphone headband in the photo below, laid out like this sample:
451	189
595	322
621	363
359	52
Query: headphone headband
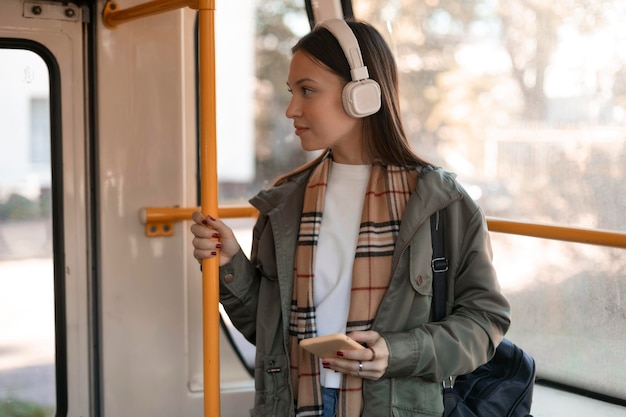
350	45
361	96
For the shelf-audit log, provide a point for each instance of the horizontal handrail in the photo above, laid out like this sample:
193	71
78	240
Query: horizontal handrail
564	233
169	214
112	15
543	231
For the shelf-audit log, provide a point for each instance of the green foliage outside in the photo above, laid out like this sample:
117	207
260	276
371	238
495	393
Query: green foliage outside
16	408
18	207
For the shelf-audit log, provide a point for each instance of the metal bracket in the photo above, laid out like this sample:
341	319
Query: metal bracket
157	229
34	9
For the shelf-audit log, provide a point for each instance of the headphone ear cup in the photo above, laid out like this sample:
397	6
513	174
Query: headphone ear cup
361	98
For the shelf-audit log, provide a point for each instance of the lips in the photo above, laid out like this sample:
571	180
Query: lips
300	130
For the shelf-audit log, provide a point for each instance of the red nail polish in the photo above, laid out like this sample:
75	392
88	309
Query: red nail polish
339	353
213	253
216	235
218	246
212	218
204	222
325	365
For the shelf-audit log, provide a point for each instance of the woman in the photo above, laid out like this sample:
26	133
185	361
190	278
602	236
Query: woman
343	245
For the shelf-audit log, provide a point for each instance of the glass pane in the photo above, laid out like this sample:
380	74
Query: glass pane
527	104
27	327
255	140
568	309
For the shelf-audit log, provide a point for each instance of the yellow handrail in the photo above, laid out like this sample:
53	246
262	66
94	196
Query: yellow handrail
112	15
568	234
172	214
543	231
209	196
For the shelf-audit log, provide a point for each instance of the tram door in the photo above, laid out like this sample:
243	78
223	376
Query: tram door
44	279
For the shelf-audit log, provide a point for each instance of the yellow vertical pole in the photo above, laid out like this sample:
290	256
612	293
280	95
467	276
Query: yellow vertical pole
208	184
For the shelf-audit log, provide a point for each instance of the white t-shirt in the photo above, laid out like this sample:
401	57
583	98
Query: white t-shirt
343	205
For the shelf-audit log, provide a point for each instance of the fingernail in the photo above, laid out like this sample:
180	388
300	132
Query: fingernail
212	218
216	235
213	253
339	353
326	365
218	245
204	222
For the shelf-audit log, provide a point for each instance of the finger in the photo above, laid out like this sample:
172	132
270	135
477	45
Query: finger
362	369
200	227
198	217
368	337
207	221
358	368
202	243
210	228
371	349
200	254
347	366
202	231
222	228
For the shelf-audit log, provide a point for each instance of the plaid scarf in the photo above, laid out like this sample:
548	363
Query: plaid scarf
388	190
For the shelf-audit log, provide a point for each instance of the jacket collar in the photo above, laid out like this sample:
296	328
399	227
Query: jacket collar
286	195
436	189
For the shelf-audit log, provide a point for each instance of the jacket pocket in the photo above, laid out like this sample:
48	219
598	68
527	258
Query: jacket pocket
414	397
422	282
420	271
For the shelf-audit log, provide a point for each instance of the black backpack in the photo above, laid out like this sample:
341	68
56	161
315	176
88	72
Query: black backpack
503	387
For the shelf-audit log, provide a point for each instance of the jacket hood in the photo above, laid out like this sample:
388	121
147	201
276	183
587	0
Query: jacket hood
436	189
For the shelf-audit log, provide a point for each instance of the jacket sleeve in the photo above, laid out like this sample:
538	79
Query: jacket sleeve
478	314
240	281
239	294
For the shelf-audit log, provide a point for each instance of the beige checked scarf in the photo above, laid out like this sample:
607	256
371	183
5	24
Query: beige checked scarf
388	190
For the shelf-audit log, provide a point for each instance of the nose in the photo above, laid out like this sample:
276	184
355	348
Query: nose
293	108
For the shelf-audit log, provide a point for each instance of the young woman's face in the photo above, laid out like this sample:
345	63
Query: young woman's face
317	111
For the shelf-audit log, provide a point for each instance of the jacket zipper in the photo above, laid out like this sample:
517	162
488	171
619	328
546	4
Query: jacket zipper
273	370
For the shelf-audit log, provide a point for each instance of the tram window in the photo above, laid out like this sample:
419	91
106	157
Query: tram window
255	140
27	327
527	104
530	113
568	303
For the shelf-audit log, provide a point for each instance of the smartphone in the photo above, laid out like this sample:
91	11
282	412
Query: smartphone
327	346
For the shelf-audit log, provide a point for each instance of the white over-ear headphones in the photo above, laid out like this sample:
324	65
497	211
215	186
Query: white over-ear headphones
361	96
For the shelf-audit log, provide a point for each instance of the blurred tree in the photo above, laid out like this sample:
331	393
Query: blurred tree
277	150
471	70
429	38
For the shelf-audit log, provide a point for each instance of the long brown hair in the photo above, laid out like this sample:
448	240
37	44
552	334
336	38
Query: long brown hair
384	138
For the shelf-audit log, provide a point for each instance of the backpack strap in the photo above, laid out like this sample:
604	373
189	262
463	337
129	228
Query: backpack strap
439	265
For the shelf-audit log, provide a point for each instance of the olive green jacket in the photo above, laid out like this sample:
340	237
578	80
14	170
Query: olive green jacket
257	293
